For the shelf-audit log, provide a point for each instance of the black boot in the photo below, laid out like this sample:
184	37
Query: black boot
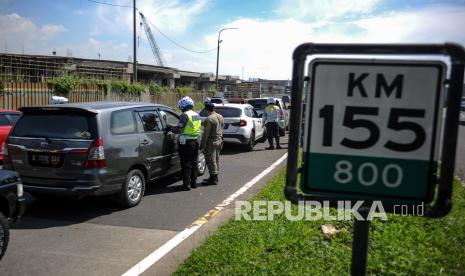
213	180
194	174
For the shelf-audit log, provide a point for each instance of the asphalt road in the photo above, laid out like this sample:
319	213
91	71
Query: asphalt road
94	237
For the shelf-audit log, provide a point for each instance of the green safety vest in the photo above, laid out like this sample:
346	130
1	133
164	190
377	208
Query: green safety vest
192	129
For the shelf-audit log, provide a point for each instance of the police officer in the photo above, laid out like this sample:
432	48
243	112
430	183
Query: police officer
271	120
212	141
189	129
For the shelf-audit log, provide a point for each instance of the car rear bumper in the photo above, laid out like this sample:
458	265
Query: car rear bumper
89	184
235	138
76	190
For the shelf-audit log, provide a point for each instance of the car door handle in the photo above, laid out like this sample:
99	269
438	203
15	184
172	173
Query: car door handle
144	142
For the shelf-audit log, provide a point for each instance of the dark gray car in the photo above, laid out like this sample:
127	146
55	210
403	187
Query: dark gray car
94	149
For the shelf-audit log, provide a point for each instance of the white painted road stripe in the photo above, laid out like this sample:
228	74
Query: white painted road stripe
156	255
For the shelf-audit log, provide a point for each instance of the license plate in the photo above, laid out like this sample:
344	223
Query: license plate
45	160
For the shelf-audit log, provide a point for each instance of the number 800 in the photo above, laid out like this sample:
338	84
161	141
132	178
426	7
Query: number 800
343	174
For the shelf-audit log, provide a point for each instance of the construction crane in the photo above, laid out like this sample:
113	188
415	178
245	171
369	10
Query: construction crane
152	42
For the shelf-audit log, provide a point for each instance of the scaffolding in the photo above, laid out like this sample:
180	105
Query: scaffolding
29	68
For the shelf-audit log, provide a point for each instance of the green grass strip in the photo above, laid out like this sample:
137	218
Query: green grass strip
399	246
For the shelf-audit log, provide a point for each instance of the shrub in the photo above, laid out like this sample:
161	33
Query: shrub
183	90
155	88
63	85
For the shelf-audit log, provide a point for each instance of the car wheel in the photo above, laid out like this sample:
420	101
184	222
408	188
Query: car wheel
282	132
133	189
251	144
4	235
202	164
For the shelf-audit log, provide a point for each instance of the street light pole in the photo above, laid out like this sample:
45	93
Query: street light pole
134	43
218	55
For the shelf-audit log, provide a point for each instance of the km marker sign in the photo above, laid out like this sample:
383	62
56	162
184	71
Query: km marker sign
372	128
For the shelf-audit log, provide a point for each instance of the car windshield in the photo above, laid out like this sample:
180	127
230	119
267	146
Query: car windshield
226	112
257	104
56	125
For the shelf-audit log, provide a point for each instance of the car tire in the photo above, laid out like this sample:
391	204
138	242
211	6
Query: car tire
133	189
4	235
282	132
251	143
202	164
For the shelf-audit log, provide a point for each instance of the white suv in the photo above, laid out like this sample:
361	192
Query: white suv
242	124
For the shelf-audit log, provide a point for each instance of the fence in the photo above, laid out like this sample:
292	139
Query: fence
17	94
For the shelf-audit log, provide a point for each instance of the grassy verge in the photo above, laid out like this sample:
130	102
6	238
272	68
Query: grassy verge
399	246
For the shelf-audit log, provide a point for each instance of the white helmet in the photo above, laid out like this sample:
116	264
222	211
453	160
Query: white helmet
270	101
185	102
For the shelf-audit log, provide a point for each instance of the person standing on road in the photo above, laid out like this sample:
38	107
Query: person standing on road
271	120
189	129
212	141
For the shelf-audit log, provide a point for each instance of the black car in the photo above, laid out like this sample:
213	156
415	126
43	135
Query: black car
94	149
12	205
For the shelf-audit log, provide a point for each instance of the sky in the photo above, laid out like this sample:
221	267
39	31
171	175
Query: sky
268	30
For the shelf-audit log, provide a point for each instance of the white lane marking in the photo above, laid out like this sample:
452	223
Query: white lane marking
156	255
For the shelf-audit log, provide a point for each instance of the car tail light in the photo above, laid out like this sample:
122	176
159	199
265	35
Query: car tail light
6	154
241	123
96	157
6	150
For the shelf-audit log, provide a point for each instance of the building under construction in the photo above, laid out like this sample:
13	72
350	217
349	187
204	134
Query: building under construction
37	68
32	68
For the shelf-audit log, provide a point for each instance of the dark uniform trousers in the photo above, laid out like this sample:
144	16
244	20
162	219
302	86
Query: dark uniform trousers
189	154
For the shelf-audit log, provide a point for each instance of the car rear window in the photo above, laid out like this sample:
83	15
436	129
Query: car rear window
217	101
225	112
4	121
229	112
258	104
56	125
14	118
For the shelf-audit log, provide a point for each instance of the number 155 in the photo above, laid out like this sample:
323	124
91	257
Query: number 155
394	123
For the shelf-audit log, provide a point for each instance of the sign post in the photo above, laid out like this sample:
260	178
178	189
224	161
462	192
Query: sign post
372	129
360	246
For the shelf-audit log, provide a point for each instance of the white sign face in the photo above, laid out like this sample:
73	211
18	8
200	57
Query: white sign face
371	123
